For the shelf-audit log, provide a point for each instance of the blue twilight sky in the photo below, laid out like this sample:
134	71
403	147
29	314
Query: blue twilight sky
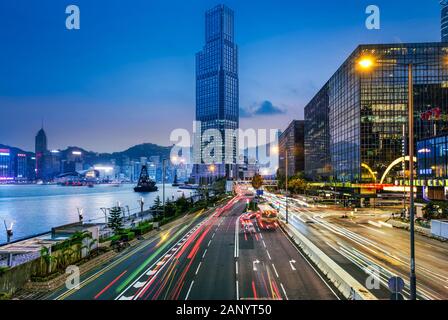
127	76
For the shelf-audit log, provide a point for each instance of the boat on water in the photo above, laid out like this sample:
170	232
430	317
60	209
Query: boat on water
189	186
145	184
175	182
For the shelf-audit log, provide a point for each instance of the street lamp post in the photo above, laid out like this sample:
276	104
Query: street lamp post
141	201
163	184
286	185
368	63
413	278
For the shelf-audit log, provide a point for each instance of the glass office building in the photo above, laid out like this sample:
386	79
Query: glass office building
292	141
444	20
355	125
217	83
432	158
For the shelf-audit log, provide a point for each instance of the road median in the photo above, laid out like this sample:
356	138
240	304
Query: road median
348	286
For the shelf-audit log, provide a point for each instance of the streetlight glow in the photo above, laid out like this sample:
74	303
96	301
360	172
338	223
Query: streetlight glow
366	62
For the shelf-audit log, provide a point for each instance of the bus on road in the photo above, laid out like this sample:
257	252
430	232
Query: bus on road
267	217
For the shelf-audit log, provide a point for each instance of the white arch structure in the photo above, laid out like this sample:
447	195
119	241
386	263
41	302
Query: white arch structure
393	164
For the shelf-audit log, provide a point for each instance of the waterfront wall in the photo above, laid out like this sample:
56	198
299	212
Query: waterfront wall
15	278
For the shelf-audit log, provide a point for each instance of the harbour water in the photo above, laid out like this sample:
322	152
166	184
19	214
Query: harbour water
37	208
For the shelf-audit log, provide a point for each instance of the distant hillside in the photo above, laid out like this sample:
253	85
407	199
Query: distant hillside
16	150
135	152
144	150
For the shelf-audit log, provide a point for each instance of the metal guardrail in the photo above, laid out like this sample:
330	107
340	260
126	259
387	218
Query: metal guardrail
348	286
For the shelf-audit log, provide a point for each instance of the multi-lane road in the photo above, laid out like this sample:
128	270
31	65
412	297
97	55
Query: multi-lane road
204	257
365	248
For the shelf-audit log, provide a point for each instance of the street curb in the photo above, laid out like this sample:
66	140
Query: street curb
348	286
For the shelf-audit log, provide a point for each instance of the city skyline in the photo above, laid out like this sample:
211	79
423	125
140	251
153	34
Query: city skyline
230	152
82	97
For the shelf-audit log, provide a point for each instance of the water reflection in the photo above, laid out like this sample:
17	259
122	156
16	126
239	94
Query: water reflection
36	208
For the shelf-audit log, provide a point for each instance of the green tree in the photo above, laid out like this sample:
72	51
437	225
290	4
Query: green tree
257	181
182	205
170	208
157	203
47	258
115	220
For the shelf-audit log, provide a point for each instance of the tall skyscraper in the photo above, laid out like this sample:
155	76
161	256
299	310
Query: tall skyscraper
217	88
41	153
444	20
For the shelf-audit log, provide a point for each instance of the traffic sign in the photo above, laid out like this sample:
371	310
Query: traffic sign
396	284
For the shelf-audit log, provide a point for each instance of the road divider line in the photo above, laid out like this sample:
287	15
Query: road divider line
237	291
373	223
269	256
189	290
385	224
236	238
236	267
275	270
204	253
199	266
284	291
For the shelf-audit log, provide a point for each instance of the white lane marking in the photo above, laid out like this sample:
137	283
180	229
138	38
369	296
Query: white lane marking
125	298
237	291
121	294
236	239
213	235
199	266
236	266
373	223
275	270
139	284
208	245
204	253
284	291
269	256
150	272
264	244
189	289
291	263
372	229
309	263
261	236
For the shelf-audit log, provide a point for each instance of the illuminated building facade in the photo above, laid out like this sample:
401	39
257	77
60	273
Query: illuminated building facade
432	158
292	140
217	89
6	169
354	126
41	150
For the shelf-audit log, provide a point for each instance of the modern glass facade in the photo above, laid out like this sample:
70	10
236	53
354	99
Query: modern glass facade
432	157
359	118
292	140
444	20
317	137
217	83
6	172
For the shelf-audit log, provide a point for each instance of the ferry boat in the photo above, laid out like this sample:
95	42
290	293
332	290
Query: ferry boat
145	184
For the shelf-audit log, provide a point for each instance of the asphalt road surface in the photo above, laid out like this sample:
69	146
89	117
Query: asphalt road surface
364	249
206	257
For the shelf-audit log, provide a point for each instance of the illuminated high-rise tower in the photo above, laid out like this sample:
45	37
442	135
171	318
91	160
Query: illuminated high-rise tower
217	87
41	150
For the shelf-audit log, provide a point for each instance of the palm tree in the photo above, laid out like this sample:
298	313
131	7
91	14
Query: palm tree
48	259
